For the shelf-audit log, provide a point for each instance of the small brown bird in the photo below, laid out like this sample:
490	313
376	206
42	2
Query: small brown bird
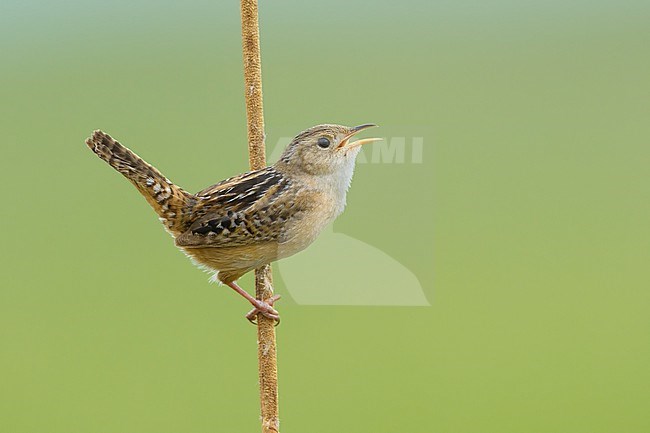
255	218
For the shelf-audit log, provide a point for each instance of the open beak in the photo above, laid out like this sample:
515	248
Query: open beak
345	144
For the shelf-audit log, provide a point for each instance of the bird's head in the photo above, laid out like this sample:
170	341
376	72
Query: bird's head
324	149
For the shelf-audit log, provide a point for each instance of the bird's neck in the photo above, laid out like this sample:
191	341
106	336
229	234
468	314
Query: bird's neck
336	185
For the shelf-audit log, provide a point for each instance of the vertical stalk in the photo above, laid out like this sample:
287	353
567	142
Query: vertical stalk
266	343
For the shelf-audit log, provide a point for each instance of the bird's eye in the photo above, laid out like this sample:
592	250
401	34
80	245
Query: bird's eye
324	142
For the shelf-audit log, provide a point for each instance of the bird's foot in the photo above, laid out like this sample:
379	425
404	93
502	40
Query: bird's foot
264	308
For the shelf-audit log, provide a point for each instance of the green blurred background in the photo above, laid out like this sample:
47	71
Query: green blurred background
526	223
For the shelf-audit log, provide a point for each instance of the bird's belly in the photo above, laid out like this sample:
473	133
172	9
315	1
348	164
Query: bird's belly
298	233
238	260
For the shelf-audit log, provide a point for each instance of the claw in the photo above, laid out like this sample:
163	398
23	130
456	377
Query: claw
260	307
266	309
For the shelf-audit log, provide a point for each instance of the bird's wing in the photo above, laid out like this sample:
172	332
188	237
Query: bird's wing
244	210
238	184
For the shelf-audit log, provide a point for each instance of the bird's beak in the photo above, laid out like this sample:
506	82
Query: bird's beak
354	130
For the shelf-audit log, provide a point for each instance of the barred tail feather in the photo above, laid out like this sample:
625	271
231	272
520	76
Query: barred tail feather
168	200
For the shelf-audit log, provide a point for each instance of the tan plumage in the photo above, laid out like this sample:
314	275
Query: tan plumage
254	218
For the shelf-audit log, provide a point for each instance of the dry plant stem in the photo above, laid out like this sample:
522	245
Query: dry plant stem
267	356
253	82
266	346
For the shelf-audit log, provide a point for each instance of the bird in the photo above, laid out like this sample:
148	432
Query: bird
254	218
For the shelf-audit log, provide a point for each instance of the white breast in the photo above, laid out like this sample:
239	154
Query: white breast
337	184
